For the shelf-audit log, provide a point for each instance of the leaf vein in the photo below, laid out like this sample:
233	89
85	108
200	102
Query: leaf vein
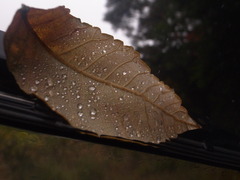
134	78
104	55
117	68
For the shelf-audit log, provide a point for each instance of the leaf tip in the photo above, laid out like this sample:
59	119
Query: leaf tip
25	7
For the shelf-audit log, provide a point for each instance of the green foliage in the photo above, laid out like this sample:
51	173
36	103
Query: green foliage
193	47
26	155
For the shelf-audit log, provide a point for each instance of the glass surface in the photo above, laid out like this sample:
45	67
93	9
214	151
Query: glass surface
194	48
27	155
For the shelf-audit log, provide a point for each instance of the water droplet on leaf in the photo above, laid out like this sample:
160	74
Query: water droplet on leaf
93	112
125	117
34	88
37	82
64	76
46	98
80	114
91	88
50	82
73	83
79	106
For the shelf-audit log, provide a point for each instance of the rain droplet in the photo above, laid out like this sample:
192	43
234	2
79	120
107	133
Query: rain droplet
125	117
93	112
183	116
80	114
78	96
79	106
73	83
120	98
50	82
46	98
138	134
37	82
64	76
61	67
91	88
75	58
94	70
124	73
50	93
34	88
104	51
104	69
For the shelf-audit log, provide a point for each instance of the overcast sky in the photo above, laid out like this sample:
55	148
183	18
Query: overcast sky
89	11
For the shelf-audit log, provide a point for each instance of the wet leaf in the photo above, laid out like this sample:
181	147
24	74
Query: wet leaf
92	80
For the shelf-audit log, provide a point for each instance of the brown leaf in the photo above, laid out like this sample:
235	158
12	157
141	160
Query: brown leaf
92	80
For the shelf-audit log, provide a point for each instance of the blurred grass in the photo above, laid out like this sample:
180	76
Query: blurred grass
25	155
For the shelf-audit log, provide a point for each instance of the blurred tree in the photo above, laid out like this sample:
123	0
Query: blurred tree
193	46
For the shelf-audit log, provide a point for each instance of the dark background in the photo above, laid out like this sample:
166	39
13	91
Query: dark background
193	46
